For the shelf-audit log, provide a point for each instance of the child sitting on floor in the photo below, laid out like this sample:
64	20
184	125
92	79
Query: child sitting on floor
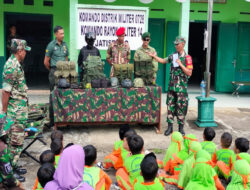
222	156
46	157
114	159
94	176
56	134
56	147
203	174
126	176
240	176
241	147
174	164
149	170
208	144
45	174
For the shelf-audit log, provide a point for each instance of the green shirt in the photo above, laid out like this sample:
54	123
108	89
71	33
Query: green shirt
209	146
132	165
91	175
155	185
56	52
224	155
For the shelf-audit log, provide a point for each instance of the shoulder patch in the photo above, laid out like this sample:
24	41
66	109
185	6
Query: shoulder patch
7	168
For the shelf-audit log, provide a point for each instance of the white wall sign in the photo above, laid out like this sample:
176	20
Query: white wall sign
104	21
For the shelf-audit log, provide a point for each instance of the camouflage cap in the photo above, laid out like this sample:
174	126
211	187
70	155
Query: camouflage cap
5	124
19	44
145	35
179	39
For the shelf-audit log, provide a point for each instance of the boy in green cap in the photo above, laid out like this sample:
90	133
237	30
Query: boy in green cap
149	170
7	179
204	176
126	176
240	176
208	144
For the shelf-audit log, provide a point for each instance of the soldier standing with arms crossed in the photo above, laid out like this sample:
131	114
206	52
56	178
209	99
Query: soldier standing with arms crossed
57	50
118	51
180	72
15	99
141	53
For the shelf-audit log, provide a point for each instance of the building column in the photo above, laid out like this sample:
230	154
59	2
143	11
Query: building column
73	53
184	22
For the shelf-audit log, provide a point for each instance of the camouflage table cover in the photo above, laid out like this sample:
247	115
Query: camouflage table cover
140	105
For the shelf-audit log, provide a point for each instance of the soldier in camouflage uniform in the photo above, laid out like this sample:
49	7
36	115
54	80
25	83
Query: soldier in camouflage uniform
177	98
118	51
57	50
141	54
7	177
14	96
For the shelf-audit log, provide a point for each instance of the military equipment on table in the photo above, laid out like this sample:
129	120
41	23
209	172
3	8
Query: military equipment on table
138	83
66	70
93	68
100	83
63	83
105	83
123	71
96	83
114	82
144	70
127	83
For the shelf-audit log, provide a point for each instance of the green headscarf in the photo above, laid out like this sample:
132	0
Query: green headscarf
203	173
240	176
187	139
175	146
244	156
187	168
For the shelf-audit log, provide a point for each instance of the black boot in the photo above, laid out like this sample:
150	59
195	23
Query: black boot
20	171
181	130
19	178
169	130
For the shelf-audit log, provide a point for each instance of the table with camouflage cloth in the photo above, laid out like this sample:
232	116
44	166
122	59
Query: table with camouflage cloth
107	105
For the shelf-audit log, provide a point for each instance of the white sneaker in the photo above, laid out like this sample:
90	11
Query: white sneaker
115	186
100	165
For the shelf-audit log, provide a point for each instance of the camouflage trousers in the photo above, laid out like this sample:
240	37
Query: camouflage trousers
51	87
177	103
19	113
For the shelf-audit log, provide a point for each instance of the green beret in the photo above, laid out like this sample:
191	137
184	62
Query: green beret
145	34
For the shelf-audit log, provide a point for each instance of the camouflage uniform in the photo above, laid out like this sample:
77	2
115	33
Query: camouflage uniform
177	97
141	55
118	53
14	82
6	172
